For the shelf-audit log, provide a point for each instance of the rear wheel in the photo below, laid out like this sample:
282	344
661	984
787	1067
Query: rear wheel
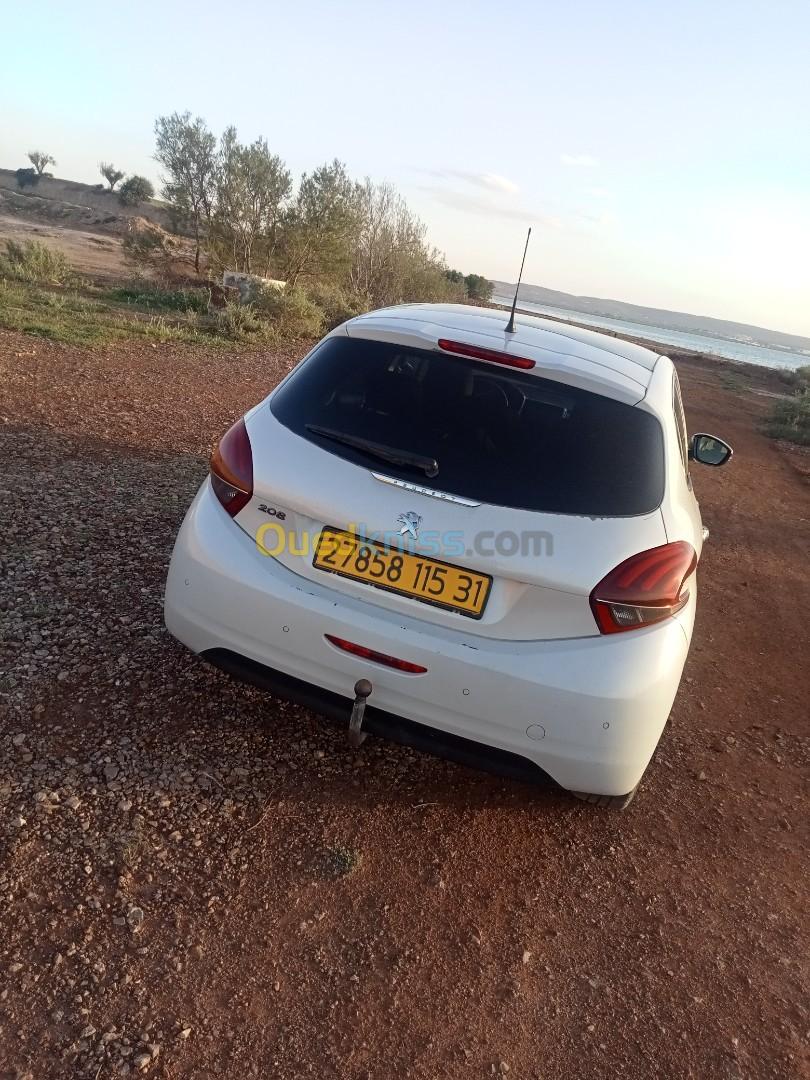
611	802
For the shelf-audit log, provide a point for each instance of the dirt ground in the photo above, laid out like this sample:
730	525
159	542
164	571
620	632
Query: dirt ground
197	880
95	254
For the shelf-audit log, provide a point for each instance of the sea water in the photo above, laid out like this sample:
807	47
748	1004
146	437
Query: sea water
728	348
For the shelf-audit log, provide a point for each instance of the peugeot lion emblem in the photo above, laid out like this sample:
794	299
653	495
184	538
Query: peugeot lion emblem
410	523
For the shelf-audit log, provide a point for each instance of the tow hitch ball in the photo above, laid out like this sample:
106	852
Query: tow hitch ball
362	689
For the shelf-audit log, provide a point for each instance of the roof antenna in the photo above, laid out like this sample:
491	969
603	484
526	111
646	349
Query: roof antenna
510	326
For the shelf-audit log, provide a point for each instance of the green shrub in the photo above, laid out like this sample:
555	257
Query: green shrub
150	295
240	323
478	288
146	249
143	245
27	178
790	419
135	190
33	262
796	379
291	312
336	304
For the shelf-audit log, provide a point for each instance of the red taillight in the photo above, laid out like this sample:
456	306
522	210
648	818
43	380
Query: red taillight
492	355
644	589
232	469
378	657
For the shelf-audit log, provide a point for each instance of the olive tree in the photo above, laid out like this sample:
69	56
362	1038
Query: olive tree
40	160
110	174
320	226
392	261
252	186
187	150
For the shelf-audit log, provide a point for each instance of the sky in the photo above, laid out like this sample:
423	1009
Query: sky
659	151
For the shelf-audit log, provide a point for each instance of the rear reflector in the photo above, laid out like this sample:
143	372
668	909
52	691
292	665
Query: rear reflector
231	469
377	657
495	357
644	589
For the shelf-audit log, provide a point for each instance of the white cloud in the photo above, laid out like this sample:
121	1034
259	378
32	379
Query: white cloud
490	181
584	161
486	195
497	183
470	203
598	192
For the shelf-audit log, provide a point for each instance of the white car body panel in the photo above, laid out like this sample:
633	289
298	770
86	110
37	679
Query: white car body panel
583	358
679	507
602	702
535	661
338	493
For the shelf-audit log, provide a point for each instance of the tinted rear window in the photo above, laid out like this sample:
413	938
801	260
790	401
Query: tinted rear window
498	436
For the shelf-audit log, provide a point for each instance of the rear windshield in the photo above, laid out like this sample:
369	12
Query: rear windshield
473	429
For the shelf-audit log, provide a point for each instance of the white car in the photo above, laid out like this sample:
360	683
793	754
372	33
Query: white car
479	542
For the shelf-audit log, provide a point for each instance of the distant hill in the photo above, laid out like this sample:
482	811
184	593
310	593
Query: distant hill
71	204
671	320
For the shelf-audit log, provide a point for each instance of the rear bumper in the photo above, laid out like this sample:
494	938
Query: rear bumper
379	722
587	712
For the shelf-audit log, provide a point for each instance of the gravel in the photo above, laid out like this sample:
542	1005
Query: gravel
199	880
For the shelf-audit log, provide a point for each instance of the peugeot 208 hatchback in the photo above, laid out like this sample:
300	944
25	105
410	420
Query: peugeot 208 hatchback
487	541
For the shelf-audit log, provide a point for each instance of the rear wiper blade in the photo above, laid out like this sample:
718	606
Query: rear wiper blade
428	465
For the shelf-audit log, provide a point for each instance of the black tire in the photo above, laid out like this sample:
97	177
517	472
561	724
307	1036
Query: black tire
610	802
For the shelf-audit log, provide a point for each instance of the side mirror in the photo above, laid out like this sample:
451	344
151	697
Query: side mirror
709	450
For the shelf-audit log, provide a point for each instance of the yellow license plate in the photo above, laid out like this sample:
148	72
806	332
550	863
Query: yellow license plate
428	580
